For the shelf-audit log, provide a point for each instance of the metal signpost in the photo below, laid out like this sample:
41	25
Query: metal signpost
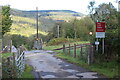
100	33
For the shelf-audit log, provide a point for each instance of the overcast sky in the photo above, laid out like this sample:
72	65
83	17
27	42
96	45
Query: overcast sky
75	5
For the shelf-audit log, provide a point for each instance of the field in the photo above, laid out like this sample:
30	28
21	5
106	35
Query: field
24	26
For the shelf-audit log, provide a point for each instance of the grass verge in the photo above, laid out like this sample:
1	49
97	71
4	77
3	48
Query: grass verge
108	69
28	69
28	72
5	55
51	47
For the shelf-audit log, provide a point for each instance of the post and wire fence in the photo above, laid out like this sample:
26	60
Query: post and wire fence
83	52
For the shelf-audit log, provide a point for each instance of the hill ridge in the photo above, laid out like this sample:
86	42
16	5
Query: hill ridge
51	11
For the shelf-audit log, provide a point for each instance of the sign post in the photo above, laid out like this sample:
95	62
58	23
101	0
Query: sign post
100	33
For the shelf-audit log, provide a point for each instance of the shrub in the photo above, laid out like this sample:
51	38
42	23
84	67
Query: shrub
18	40
57	41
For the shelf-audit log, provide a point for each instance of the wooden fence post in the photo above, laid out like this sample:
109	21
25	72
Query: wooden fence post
17	52
13	58
8	60
90	54
74	51
64	48
81	51
8	64
14	66
10	46
69	49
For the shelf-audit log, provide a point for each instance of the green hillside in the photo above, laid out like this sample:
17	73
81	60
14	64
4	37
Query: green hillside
24	26
61	16
24	22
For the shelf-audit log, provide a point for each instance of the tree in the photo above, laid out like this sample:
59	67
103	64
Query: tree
0	26
91	8
108	14
118	40
6	19
77	28
83	27
67	30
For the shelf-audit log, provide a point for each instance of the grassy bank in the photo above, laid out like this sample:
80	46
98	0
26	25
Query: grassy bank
108	69
5	55
28	69
28	72
51	47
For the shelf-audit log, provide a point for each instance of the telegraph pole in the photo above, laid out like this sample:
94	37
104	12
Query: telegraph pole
37	21
38	41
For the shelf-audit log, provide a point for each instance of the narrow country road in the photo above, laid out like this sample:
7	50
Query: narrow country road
47	66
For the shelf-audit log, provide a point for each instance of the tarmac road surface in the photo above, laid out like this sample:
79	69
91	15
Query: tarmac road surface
46	66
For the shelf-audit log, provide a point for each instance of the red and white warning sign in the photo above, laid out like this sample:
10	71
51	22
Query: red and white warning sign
100	29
